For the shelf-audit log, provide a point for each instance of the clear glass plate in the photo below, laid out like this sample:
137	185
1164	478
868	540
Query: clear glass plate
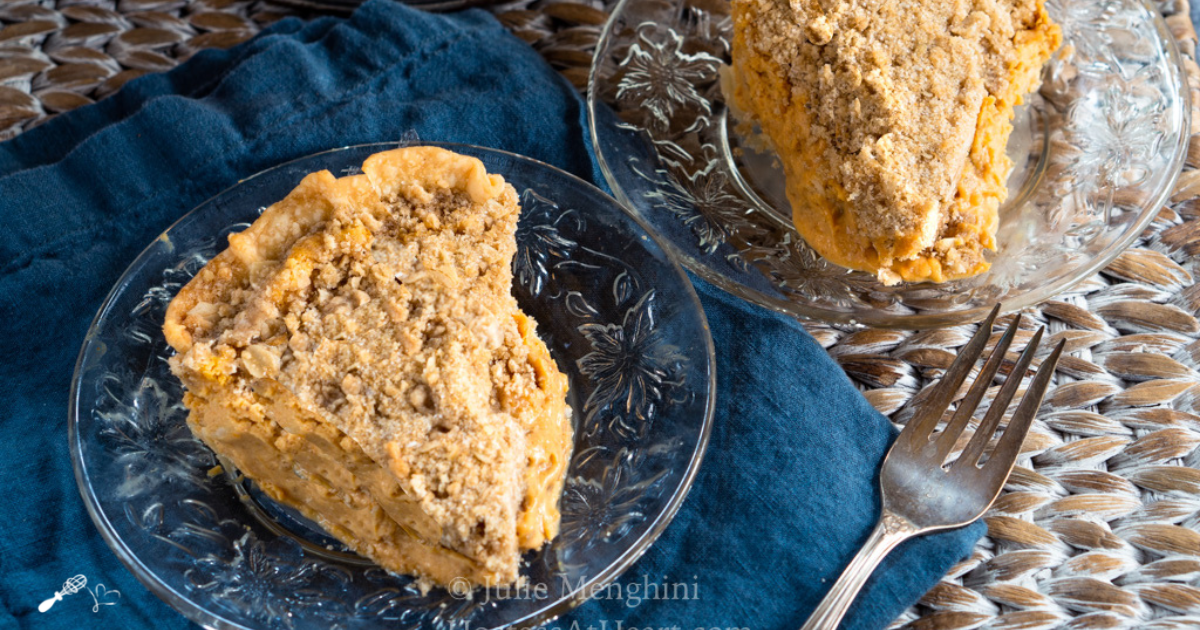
619	316
1097	152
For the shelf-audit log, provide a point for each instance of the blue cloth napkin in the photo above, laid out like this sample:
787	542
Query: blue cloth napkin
787	492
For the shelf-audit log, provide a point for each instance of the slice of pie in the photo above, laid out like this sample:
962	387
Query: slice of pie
891	120
358	353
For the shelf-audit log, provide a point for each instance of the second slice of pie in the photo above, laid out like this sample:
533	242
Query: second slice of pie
891	120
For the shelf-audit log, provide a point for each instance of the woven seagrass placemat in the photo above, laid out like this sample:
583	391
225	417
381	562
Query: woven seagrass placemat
1100	524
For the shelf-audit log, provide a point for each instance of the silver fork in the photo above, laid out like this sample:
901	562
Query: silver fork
920	493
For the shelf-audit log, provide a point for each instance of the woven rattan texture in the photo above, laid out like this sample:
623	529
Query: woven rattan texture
1099	526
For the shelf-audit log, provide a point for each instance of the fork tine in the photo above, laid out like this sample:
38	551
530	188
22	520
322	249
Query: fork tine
966	408
987	428
926	418
1005	455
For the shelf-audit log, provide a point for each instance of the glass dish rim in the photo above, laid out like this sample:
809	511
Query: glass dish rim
917	321
208	618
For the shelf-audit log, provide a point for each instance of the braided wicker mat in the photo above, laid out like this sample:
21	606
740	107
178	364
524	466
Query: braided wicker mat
1100	524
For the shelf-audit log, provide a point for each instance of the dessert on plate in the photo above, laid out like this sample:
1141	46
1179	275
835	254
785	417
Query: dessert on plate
891	120
358	353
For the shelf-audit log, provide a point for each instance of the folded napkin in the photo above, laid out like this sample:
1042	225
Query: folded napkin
788	489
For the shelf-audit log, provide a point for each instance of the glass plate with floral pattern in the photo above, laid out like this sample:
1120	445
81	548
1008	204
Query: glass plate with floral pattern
1097	151
619	316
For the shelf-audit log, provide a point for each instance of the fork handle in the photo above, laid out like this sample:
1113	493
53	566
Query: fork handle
890	531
